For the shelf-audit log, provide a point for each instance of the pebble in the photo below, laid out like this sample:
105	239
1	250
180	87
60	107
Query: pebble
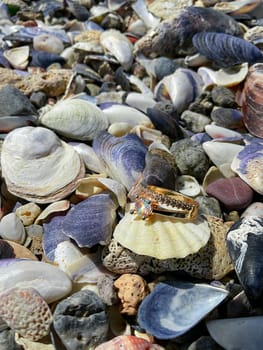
233	193
28	213
190	158
223	97
194	121
81	321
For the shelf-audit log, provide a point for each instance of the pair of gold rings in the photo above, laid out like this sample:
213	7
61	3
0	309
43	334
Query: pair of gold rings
152	199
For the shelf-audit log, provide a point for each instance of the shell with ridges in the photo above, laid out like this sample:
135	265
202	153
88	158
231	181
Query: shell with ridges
161	236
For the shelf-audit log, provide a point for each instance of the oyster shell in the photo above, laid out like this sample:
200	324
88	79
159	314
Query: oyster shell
75	118
161	236
38	166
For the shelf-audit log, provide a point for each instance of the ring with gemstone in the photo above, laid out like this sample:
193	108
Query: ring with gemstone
152	199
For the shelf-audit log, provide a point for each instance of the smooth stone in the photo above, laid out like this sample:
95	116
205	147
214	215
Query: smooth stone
209	206
81	321
204	343
223	97
28	213
51	283
254	209
230	118
190	158
49	43
14	102
12	228
233	193
39	99
194	121
242	333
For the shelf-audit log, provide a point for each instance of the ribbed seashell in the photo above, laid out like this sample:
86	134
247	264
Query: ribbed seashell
245	242
163	236
173	37
38	166
119	46
231	77
26	312
91	221
75	118
182	87
165	312
49	281
252	102
226	50
128	342
18	57
123	157
248	164
237	333
49	43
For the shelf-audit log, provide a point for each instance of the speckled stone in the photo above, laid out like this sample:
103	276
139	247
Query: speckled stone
209	206
190	158
81	321
223	97
233	193
106	290
194	122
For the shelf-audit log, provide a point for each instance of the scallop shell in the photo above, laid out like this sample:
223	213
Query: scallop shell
38	166
226	50
161	236
75	118
123	157
18	57
252	102
174	307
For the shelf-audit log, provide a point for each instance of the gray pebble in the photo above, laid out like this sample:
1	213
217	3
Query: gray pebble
81	321
106	290
209	206
14	102
190	158
204	343
38	99
202	104
194	122
223	97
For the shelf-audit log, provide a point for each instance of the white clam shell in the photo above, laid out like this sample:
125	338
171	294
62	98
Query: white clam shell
38	166
119	46
188	185
161	236
50	282
75	118
18	56
11	228
140	101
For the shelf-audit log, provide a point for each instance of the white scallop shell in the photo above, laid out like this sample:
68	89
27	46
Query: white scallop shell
75	118
38	166
161	236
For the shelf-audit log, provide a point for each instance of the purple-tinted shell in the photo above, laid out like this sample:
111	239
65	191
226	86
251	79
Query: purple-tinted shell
226	50
248	164
123	157
91	221
245	246
44	59
174	36
172	308
252	102
53	235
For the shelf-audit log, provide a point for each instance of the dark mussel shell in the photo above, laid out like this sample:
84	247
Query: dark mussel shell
252	102
226	50
174	36
245	246
44	59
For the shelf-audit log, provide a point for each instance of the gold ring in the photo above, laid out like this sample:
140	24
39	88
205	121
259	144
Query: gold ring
152	198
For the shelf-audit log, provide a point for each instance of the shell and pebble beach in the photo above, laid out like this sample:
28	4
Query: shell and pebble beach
131	175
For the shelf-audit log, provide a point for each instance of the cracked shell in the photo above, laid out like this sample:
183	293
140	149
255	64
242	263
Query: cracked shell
38	166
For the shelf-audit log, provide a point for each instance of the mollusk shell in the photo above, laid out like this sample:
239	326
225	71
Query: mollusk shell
75	118
183	86
161	236
248	164
226	50
38	166
252	104
128	342
50	282
18	57
123	157
172	308
245	244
